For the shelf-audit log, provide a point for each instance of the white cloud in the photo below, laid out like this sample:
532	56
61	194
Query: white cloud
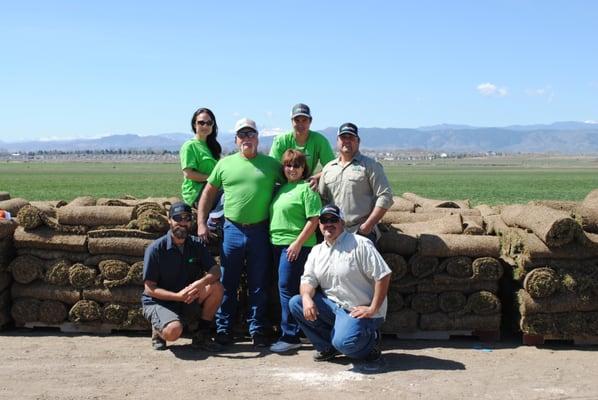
545	92
591	122
271	131
490	89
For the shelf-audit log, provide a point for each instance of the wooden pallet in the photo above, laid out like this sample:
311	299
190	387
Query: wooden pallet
484	336
72	327
539	340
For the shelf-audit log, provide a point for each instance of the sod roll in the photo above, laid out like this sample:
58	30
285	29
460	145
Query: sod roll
113	269
82	276
25	310
487	268
30	217
541	282
405	320
52	312
7	228
122	294
483	303
26	269
13	205
85	311
125	246
45	238
53	254
458	245
452	302
402	217
447	224
82	201
560	205
44	291
558	303
115	313
424	303
392	241
401	204
395	262
424	202
553	227
58	272
4	196
422	266
94	215
459	266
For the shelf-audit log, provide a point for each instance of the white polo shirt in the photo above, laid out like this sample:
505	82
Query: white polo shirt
347	271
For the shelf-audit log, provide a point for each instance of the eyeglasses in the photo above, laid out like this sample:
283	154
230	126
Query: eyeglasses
204	123
182	217
329	220
293	165
247	134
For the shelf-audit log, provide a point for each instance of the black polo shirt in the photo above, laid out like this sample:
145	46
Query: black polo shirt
172	270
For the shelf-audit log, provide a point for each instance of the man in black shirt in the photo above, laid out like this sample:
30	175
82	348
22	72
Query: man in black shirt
179	275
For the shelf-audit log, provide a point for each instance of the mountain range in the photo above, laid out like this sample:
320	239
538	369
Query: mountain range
567	137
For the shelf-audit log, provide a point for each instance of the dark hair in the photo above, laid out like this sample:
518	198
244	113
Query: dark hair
291	156
212	139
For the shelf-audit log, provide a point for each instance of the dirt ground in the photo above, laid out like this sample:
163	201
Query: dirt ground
50	365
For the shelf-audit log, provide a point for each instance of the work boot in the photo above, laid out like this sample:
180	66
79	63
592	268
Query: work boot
202	340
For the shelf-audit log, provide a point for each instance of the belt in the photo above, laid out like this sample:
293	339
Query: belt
247	225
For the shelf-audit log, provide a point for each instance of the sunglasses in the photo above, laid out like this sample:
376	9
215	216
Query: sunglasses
182	217
246	134
204	123
293	165
329	220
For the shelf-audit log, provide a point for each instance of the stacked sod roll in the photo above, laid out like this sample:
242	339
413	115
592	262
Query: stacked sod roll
82	262
7	252
555	262
445	268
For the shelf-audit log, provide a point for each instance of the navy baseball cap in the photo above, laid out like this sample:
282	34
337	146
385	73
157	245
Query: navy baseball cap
179	208
348	128
331	209
300	109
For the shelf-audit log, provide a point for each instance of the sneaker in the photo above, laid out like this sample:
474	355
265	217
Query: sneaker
326	355
282	346
203	340
259	340
157	342
224	338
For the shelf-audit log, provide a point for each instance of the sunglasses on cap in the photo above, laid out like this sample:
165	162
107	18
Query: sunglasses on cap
182	217
247	134
204	123
329	220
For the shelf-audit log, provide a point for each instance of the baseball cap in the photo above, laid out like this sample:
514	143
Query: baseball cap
245	123
178	209
348	128
332	210
300	109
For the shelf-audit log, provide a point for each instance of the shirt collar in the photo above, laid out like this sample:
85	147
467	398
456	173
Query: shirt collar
357	157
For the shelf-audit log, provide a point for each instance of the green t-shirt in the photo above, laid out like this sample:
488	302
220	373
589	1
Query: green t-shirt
317	148
293	205
195	154
248	186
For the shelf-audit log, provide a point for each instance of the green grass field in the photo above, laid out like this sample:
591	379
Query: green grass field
506	181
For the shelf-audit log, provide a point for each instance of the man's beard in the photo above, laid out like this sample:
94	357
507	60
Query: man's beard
180	232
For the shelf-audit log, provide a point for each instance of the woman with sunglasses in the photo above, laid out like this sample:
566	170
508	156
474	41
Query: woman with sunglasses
293	221
199	155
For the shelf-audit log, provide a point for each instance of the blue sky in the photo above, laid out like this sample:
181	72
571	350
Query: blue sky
88	69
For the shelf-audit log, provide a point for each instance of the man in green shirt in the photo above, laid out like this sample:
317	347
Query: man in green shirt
313	144
248	179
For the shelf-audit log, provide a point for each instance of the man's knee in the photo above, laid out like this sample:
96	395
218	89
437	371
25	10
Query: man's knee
296	305
350	343
216	290
172	331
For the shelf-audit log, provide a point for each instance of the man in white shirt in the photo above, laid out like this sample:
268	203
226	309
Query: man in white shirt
342	297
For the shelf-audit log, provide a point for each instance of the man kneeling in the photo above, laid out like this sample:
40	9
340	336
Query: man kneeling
342	297
180	277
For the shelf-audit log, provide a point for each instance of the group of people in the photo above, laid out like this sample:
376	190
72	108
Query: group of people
334	291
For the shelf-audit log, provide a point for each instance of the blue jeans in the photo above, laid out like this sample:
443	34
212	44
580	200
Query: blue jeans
242	246
335	327
289	278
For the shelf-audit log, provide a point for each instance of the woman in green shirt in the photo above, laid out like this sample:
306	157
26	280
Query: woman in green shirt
199	155
293	221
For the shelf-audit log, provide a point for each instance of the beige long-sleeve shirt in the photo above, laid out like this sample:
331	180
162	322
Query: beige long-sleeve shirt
356	188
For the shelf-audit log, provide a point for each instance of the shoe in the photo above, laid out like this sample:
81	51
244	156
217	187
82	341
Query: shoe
157	342
283	347
202	340
375	354
326	354
224	338
259	340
